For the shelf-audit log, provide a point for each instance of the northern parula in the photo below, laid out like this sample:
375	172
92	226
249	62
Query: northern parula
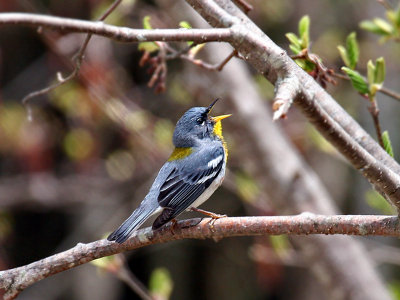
190	176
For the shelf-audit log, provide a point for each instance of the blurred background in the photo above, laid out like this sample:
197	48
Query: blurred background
93	146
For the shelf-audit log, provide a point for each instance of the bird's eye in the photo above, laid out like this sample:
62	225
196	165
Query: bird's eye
200	121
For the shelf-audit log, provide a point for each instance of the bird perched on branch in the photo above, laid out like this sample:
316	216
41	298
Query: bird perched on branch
192	173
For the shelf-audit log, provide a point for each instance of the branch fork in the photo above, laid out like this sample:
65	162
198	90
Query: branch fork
286	90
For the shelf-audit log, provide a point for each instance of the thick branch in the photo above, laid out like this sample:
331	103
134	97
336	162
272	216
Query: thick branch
343	131
121	34
16	280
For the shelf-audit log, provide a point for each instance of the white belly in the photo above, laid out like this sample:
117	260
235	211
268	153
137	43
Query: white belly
210	190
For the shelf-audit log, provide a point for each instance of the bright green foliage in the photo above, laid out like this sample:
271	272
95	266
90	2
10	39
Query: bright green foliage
304	31
387	143
388	29
357	80
301	41
351	53
161	284
185	24
370	71
147	46
146	23
380	70
376	75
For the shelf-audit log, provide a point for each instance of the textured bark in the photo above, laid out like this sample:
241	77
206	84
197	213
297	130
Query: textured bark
16	280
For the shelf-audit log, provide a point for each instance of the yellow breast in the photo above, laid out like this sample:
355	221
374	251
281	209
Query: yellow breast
218	132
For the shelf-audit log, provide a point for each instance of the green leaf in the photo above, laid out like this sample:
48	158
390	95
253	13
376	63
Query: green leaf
352	50
344	55
380	70
146	23
304	31
371	72
185	24
161	284
148	46
295	49
383	25
293	39
387	143
357	80
372	27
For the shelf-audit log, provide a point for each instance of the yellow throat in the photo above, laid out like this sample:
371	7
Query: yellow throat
218	131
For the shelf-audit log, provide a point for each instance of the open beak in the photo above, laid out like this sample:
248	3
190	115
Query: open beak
210	107
219	118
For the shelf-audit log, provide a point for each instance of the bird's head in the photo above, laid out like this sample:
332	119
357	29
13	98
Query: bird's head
196	124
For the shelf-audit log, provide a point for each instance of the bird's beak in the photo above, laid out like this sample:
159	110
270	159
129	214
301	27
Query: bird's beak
219	118
210	107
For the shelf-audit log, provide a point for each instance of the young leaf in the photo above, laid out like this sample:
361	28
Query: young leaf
357	80
371	72
352	49
148	46
304	31
185	24
380	70
372	27
344	55
293	39
383	25
387	143
295	49
146	23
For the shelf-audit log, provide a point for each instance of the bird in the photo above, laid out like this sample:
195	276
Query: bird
192	173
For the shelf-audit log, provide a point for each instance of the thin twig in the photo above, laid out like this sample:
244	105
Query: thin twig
374	111
383	90
211	67
125	275
78	57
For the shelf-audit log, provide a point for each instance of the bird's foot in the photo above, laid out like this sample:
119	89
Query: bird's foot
174	225
210	214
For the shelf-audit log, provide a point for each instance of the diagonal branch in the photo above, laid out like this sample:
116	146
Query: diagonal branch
16	280
344	132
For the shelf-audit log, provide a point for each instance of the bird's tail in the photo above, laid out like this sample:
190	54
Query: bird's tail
137	218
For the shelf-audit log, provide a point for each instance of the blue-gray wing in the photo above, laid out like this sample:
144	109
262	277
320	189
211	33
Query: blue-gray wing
187	182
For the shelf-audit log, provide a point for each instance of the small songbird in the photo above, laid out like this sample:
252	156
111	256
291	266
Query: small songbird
192	173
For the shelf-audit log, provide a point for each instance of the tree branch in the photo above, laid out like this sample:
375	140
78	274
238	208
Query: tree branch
78	58
16	280
343	131
120	34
